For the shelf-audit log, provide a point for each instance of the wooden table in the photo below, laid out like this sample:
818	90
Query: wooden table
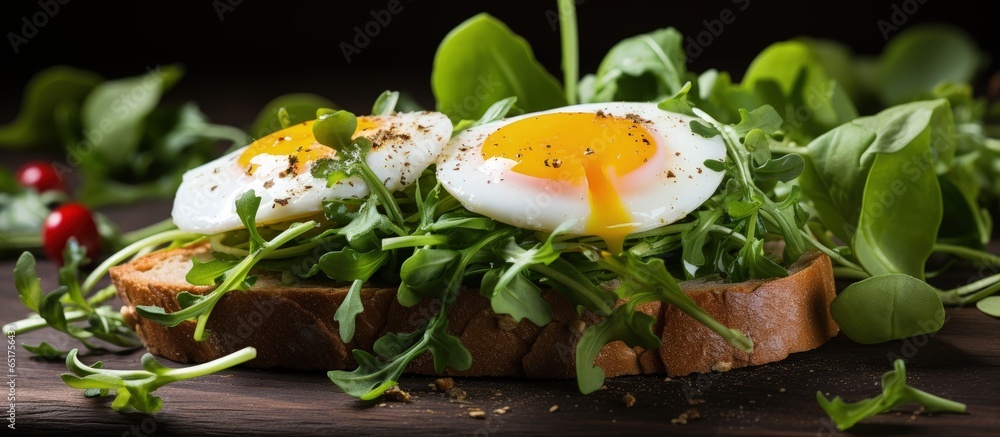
961	362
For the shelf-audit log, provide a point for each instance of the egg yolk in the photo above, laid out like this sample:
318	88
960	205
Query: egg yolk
298	144
580	148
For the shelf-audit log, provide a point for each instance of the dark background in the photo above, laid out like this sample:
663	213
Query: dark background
258	50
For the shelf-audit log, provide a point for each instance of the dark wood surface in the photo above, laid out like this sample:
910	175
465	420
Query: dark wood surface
961	362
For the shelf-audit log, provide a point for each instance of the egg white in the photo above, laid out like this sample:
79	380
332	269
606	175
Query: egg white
673	183
404	145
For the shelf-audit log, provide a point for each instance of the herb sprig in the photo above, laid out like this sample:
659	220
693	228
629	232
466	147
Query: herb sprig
895	393
133	389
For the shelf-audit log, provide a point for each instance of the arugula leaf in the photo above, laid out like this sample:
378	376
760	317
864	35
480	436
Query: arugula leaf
360	231
895	393
247	206
644	67
207	272
298	107
356	267
27	283
66	304
134	389
519	297
887	307
481	62
45	351
373	375
423	272
624	323
693	239
56	89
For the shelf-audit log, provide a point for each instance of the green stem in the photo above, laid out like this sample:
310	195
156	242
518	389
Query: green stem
239	357
20	241
849	273
967	253
934	404
597	304
413	241
570	53
122	255
952	297
785	150
376	187
719	229
668	291
978	285
149	231
833	254
36	322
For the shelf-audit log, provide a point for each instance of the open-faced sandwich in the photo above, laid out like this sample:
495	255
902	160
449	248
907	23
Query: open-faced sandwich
539	245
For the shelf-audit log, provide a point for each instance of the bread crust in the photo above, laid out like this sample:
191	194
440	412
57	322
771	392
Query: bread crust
292	325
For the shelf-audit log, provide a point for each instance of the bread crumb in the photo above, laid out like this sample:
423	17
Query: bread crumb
553	408
781	390
506	322
457	393
477	413
578	326
668	379
444	384
395	394
722	366
684	417
628	400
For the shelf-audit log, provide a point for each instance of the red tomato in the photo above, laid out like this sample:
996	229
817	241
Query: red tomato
41	176
70	220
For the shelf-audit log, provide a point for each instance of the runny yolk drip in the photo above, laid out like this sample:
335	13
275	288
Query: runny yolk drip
298	143
580	148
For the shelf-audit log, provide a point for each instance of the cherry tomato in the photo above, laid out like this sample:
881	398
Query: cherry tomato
41	176
70	220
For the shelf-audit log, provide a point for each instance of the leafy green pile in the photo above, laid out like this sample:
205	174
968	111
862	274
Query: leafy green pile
126	146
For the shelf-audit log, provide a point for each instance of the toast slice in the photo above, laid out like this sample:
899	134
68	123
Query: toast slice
292	326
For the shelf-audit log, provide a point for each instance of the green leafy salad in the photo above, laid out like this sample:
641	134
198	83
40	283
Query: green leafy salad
893	197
